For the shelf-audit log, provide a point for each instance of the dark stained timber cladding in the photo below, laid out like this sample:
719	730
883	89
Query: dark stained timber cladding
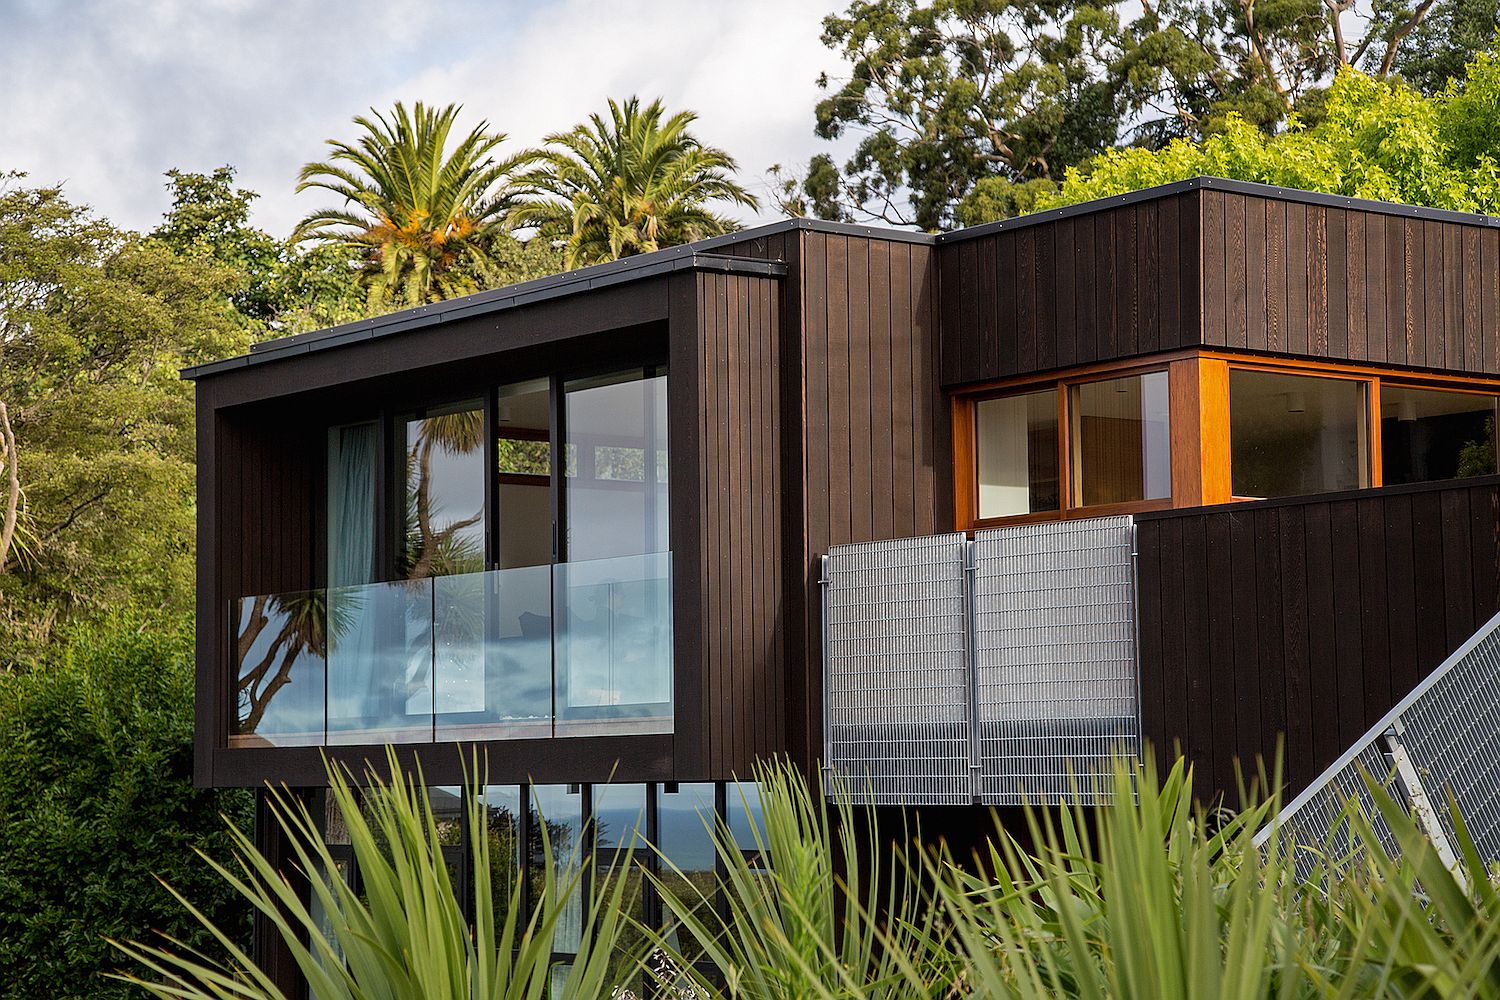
1344	284
876	445
1303	621
1109	284
739	520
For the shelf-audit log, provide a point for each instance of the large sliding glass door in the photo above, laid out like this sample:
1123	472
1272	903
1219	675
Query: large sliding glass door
614	600
511	578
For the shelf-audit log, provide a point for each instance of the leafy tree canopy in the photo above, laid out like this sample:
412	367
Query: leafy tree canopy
954	102
94	325
96	802
631	184
1377	139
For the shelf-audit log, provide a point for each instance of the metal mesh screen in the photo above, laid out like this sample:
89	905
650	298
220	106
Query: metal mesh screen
1055	658
1449	729
1452	732
896	719
1319	830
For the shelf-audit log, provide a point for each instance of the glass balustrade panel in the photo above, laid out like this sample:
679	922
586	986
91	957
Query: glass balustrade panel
613	645
493	655
380	682
279	651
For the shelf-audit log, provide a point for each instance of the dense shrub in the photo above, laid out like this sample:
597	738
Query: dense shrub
96	803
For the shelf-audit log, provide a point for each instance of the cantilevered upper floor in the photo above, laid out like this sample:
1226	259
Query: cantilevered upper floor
577	523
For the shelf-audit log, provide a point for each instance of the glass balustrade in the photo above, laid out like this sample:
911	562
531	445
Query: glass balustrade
574	649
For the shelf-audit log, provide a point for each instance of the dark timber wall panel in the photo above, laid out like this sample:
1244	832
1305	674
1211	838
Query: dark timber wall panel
877	444
259	532
742	659
1308	618
1286	277
1094	287
861	377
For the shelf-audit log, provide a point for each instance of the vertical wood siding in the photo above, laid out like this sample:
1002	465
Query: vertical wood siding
258	534
1110	284
861	378
1292	278
740	711
1307	619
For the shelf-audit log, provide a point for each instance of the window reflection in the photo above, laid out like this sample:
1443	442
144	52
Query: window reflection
1121	444
280	647
560	807
1292	435
1016	440
523	491
619	817
443	501
1429	434
502	814
616	465
684	818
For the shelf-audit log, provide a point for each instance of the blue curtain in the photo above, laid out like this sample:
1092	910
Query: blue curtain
351	505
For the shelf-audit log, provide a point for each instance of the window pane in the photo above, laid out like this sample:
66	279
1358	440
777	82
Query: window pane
1016	439
1292	435
1427	434
683	820
1121	440
561	808
443	505
502	811
742	811
448	813
619	817
523	493
616	429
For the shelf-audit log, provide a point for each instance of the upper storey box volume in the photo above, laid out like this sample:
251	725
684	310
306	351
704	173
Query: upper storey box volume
577	521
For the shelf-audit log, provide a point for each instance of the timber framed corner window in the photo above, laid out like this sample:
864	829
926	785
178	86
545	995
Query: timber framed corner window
1093	444
1296	431
1292	435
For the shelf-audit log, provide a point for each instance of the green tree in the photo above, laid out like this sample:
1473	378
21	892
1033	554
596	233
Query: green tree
969	110
945	93
632	184
97	802
210	216
280	287
1378	139
425	218
1446	40
94	325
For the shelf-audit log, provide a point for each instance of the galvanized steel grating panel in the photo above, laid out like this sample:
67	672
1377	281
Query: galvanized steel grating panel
896	703
1055	658
1449	728
1319	832
1452	734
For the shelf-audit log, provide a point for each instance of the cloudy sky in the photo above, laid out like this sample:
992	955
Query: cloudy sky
106	95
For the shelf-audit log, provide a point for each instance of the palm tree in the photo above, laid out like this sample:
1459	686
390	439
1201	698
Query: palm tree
629	185
424	218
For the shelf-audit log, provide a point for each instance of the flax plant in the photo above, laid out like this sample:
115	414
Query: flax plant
406	935
815	911
1147	897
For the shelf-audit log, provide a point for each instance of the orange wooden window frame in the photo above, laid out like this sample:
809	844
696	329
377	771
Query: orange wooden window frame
1198	395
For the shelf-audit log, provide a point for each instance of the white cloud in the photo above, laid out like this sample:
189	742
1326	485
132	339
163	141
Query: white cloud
107	96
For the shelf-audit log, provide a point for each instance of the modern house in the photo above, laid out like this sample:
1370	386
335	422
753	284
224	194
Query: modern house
1211	464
